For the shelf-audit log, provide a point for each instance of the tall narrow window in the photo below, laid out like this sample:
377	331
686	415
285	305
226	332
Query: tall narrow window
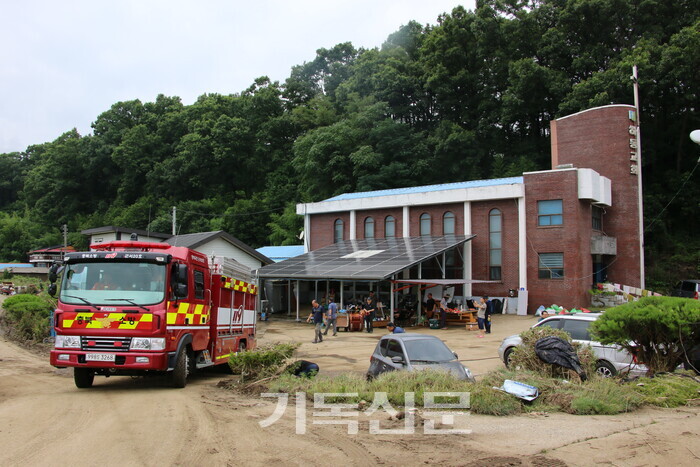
551	266
495	244
199	284
389	227
425	224
448	223
338	231
369	228
550	212
596	218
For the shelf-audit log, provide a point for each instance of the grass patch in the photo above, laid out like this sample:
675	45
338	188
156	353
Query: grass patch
602	396
596	396
395	384
668	390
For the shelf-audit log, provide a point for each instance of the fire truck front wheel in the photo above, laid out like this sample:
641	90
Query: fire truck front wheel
178	377
83	377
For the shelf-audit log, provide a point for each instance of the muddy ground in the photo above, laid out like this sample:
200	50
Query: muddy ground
46	420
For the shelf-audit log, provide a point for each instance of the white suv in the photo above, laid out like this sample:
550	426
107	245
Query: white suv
611	359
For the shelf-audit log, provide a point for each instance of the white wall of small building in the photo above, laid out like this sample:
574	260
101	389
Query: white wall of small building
220	247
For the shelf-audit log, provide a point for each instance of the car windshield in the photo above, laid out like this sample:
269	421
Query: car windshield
428	350
113	283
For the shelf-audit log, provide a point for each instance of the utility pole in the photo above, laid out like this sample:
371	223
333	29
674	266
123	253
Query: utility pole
64	227
174	220
639	178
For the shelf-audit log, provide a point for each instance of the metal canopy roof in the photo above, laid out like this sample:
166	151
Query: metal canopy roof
369	259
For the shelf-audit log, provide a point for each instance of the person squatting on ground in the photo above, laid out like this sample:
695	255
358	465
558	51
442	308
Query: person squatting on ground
369	314
317	316
394	329
331	316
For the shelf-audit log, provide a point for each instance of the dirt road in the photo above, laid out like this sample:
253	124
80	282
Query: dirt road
46	420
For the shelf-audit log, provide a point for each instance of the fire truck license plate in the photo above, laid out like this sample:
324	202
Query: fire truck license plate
99	357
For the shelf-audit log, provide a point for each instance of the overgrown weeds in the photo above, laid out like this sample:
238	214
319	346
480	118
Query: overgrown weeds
262	362
26	317
670	389
596	396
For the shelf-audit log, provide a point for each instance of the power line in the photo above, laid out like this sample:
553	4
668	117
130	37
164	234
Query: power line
674	196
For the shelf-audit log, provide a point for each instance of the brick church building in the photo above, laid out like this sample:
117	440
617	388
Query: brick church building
550	234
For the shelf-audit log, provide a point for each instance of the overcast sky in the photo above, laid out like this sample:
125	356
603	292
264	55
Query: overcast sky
66	61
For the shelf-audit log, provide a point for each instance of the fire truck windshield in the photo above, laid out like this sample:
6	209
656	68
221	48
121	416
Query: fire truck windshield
110	282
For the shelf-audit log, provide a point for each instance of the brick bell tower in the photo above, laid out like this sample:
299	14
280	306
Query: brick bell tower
605	139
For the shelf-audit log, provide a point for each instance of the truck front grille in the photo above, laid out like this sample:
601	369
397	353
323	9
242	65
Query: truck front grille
105	344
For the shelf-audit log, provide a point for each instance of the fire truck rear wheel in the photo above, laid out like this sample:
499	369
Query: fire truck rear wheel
83	377
178	377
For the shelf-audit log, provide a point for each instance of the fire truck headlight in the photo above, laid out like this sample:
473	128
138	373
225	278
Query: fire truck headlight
147	343
67	342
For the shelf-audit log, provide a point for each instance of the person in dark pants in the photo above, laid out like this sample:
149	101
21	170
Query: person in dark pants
429	306
443	311
331	317
369	314
489	312
317	316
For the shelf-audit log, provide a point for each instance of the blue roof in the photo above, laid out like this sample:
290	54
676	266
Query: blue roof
428	188
15	265
280	253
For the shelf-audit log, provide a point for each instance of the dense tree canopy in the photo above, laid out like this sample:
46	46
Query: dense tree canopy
470	97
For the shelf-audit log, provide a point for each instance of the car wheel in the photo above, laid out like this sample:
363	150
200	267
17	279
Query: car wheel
605	369
506	356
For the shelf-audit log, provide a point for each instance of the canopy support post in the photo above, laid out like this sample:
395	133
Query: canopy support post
297	296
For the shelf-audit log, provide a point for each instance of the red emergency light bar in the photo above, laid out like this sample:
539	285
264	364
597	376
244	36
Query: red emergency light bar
133	245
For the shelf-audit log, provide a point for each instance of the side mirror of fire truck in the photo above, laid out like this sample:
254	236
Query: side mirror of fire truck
180	273
53	273
179	280
52	289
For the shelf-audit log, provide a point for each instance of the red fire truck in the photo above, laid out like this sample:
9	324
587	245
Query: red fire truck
140	308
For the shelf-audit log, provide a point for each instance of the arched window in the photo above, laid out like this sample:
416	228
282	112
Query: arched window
389	227
369	227
425	224
448	223
338	231
495	244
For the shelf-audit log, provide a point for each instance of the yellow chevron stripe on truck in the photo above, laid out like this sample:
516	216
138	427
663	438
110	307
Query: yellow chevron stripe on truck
85	320
240	286
187	314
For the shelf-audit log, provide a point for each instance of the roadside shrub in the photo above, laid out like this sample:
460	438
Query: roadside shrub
262	362
27	316
524	356
655	329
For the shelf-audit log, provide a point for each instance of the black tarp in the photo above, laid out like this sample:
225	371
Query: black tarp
557	351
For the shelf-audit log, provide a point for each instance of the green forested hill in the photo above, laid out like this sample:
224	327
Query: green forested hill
470	97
